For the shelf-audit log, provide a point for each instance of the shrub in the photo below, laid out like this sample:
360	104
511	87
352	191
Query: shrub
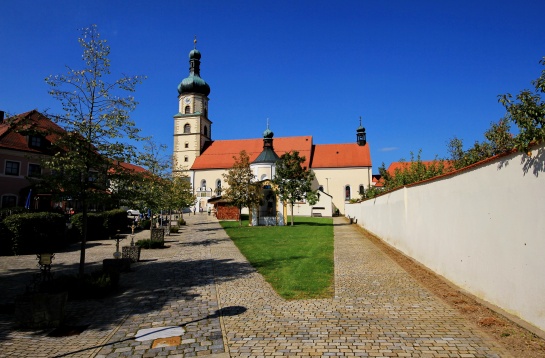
150	244
32	233
174	229
101	226
181	222
145	224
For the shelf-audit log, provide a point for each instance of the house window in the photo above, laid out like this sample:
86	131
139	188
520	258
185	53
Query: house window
187	110
362	190
347	192
218	187
35	141
12	168
187	128
93	176
186	145
34	170
9	201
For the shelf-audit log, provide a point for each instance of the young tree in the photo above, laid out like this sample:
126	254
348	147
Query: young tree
293	181
528	113
96	120
242	190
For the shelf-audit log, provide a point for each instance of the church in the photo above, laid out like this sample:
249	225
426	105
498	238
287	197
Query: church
343	171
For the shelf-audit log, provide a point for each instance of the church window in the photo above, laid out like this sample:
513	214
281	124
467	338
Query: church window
186	145
218	187
205	131
187	128
362	190
347	192
187	110
203	184
186	159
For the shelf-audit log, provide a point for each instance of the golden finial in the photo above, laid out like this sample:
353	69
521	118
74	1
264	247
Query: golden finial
195	42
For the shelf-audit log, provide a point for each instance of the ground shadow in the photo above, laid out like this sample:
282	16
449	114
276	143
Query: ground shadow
223	312
148	287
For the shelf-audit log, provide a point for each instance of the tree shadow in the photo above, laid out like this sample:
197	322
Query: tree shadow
535	163
148	287
223	312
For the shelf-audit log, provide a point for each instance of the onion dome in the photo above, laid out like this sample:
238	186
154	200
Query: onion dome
194	83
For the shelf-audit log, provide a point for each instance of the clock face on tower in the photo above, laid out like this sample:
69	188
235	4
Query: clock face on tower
187	100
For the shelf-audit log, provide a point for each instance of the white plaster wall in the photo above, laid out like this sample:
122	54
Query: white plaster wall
483	229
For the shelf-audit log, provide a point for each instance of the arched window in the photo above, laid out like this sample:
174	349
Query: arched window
187	128
203	183
218	187
205	131
362	189
263	177
347	192
187	110
186	145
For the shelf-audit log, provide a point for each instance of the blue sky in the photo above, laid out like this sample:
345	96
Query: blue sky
417	72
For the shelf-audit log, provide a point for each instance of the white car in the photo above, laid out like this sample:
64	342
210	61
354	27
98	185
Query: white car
133	212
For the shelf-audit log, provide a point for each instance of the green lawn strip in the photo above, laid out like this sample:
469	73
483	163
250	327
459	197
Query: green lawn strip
297	261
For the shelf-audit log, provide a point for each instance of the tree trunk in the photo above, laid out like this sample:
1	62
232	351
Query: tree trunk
84	238
291	214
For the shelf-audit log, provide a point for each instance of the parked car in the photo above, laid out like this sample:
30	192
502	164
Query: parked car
132	212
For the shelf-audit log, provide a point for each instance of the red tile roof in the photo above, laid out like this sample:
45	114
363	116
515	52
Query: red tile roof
405	165
32	121
219	154
341	156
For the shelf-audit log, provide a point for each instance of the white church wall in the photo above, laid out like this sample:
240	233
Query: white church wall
334	181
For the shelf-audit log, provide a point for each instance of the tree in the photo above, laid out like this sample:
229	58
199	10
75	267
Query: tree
293	181
242	191
500	140
527	111
96	120
180	194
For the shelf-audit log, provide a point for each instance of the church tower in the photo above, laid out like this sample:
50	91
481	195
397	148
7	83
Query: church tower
192	128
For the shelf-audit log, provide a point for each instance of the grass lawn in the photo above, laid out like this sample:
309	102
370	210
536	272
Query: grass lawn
297	261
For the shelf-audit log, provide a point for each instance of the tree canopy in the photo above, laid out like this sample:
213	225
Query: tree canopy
97	123
242	191
293	181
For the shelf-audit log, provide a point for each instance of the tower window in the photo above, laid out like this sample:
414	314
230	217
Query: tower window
186	159
186	145
187	128
187	110
205	131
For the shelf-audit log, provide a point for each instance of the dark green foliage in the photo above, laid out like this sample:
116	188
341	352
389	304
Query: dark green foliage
174	229
101	226
35	232
527	111
144	224
95	285
150	244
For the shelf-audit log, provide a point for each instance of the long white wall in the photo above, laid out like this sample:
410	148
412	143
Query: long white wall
482	228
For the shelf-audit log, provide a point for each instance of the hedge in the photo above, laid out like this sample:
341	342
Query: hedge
101	226
32	233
